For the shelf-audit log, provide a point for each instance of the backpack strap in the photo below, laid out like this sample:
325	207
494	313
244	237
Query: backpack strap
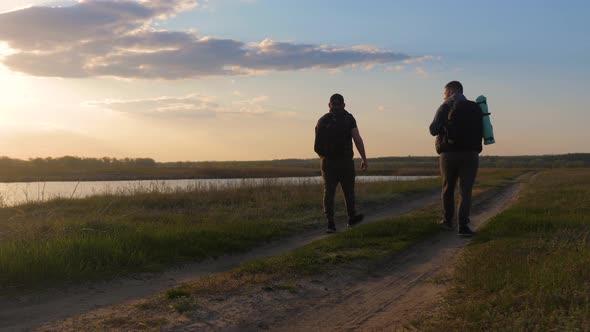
483	102
326	119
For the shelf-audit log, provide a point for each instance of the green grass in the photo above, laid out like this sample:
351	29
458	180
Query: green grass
47	244
174	293
366	243
371	242
70	168
529	269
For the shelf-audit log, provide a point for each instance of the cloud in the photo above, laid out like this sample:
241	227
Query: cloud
422	59
395	68
190	107
117	38
46	29
421	71
252	106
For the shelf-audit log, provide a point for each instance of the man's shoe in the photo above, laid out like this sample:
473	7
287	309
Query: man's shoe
465	231
447	226
331	229
355	220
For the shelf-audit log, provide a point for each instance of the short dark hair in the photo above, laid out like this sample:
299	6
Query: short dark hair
337	99
456	86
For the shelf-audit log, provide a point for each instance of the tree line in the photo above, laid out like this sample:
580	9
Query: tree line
106	168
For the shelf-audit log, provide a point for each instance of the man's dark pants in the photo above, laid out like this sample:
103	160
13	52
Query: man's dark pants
334	172
458	166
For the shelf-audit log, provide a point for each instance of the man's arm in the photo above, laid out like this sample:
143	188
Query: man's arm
437	125
317	146
360	146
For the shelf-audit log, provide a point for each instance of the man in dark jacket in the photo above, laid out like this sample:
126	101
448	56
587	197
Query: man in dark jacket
334	134
457	126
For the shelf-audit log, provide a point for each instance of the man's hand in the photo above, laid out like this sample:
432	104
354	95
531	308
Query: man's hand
364	165
358	141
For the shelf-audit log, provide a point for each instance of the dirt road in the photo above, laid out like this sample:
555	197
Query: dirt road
397	293
26	312
391	294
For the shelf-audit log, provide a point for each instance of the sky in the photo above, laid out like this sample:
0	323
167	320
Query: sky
248	79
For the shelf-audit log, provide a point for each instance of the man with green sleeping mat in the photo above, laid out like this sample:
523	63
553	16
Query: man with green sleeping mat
458	127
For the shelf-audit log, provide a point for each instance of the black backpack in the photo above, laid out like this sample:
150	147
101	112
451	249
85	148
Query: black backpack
464	127
333	136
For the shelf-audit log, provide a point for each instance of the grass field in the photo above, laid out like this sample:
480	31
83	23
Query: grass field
529	269
110	169
367	242
105	236
370	243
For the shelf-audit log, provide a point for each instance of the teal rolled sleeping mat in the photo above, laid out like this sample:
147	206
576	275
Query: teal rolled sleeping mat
488	130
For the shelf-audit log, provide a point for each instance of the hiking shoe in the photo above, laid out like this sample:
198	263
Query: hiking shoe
331	229
447	226
465	231
355	220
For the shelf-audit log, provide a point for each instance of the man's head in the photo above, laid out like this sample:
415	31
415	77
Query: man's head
453	87
336	101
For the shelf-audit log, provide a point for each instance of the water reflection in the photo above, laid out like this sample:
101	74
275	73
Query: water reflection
22	192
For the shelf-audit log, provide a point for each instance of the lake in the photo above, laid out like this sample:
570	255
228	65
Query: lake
21	192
